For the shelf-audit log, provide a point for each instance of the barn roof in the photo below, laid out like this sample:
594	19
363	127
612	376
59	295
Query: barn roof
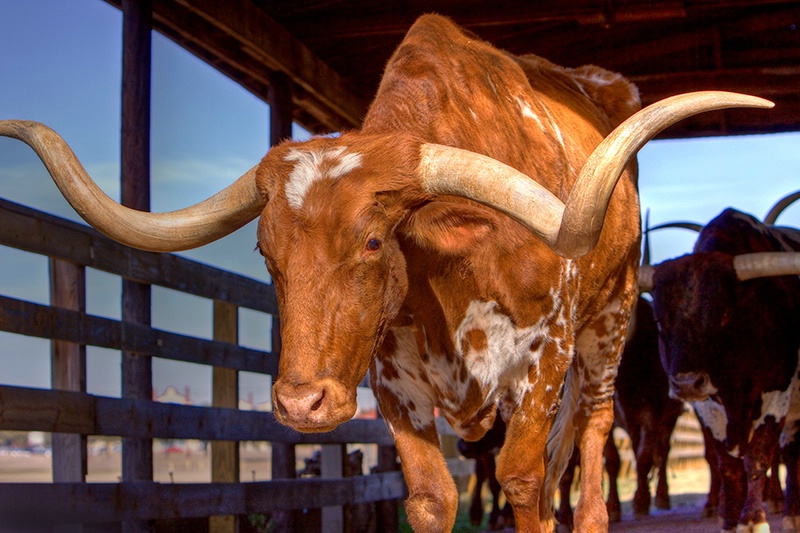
334	51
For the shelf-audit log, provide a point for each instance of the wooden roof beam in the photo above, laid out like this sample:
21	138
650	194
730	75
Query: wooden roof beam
268	41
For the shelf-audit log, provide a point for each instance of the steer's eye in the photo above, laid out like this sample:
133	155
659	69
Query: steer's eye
373	245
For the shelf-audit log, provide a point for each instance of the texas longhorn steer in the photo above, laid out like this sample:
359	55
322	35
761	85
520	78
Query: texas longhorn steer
729	331
454	247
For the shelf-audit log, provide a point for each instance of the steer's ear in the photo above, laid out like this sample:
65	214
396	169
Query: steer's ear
448	227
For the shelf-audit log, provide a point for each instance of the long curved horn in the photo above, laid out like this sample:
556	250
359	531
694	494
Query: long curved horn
693	226
779	206
766	264
570	229
194	226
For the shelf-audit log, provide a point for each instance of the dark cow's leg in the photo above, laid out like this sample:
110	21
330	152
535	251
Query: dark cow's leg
757	461
564	512
644	463
711	508
790	454
773	493
481	475
613	465
661	460
734	486
496	490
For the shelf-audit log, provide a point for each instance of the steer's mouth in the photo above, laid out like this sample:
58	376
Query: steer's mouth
313	407
691	387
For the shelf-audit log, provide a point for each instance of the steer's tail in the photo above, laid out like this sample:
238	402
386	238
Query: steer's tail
560	442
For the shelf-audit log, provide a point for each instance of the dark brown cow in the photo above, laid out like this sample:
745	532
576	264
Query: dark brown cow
458	246
644	408
729	339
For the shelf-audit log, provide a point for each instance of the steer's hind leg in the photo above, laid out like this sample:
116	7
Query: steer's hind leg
599	349
522	459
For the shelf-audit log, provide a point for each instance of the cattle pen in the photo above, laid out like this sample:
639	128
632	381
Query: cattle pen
71	414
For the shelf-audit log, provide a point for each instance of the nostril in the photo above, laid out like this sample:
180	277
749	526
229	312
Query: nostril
318	403
700	382
280	407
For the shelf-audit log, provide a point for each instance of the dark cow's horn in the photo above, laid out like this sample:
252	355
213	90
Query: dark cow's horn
766	264
779	206
646	270
646	278
570	229
194	226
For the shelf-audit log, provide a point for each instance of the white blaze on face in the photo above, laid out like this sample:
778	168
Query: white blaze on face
313	165
713	415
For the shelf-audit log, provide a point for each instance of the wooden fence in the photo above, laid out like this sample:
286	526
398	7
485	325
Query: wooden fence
71	414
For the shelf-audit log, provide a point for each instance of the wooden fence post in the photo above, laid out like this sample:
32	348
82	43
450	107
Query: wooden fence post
68	364
137	377
225	454
332	461
280	119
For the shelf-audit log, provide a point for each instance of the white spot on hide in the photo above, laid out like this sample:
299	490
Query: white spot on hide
712	415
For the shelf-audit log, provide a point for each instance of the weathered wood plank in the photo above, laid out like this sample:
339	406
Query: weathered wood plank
68	363
41	233
36	320
71	412
225	393
21	503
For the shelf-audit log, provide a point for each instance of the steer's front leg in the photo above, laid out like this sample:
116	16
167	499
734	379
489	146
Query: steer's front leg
432	495
406	401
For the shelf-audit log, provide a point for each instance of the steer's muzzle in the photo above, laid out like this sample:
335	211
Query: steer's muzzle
691	386
313	407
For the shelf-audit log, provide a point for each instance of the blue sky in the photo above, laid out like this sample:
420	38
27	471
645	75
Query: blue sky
61	64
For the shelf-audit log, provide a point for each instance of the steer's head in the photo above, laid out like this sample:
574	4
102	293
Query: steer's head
329	234
704	304
694	301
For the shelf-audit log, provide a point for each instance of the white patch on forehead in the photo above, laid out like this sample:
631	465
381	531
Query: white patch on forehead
712	414
313	165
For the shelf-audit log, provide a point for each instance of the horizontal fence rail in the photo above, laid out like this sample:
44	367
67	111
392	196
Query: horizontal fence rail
73	412
21	503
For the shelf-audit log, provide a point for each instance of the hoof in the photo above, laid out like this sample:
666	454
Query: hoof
663	503
761	527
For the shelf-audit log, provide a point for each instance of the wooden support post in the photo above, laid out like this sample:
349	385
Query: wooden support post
225	393
68	363
333	457
387	511
137	379
283	455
